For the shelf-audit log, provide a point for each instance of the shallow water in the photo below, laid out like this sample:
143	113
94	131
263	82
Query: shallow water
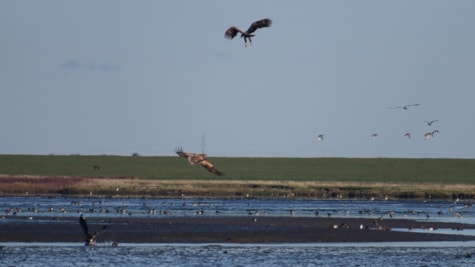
333	254
447	211
366	254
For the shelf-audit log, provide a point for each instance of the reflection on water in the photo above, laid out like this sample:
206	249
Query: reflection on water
361	254
446	231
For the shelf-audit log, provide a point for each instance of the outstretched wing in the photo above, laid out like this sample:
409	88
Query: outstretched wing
411	105
259	24
98	231
83	224
232	32
209	166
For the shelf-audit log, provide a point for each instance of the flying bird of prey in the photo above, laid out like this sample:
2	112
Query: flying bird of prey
233	31
320	137
408	135
406	106
373	136
430	122
198	159
90	238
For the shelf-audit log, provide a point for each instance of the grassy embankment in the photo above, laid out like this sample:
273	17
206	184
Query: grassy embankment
256	177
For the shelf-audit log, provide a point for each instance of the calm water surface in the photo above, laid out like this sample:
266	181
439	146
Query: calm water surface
370	254
338	254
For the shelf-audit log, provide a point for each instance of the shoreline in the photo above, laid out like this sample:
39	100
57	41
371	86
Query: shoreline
232	230
107	187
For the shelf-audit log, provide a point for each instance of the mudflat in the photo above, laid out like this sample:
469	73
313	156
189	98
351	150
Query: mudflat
202	229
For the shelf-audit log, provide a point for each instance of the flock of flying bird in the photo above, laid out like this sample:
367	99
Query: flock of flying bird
427	135
200	159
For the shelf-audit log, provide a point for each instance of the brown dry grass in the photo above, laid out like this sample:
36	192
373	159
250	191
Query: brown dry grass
63	185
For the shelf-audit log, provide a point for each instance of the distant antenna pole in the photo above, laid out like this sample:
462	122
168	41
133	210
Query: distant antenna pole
203	144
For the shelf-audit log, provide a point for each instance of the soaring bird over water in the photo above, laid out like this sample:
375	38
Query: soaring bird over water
233	31
90	238
198	159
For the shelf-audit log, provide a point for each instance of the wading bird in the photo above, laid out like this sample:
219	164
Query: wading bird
406	106
90	238
198	159
233	31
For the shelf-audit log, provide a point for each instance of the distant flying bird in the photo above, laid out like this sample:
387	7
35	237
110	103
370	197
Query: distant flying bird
408	135
198	159
90	238
233	31
406	106
320	137
373	136
430	122
429	135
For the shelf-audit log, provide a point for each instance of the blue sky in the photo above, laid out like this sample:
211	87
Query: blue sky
122	77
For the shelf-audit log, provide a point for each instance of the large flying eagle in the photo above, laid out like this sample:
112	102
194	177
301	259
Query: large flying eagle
232	31
90	238
198	159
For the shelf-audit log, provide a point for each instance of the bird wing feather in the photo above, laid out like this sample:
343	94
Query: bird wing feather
209	166
232	32
83	224
259	24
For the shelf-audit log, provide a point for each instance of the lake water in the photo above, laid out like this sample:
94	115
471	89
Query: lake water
367	254
333	254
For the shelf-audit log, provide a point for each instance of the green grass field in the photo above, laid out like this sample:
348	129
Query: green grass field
445	171
351	174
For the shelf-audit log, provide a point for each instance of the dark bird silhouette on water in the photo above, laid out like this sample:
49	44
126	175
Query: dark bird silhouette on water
406	106
198	159
233	31
90	238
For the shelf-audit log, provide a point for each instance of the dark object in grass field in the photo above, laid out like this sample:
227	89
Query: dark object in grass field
90	238
198	159
233	31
